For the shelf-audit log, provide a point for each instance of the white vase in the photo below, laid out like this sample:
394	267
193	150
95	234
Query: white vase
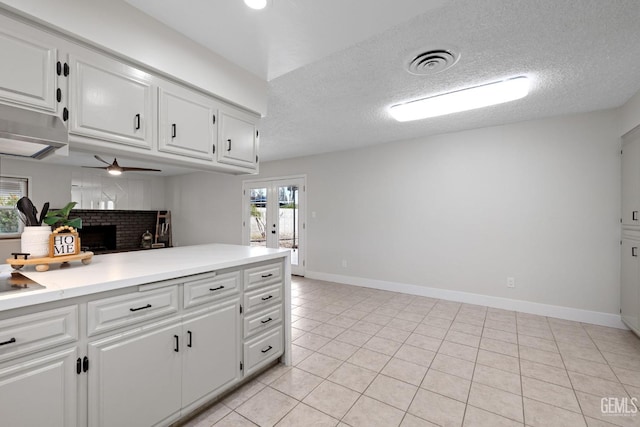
35	241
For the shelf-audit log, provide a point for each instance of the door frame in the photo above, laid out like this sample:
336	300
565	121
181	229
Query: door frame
270	183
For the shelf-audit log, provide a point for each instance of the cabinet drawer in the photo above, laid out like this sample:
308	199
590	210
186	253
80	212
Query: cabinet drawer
260	321
263	275
124	310
33	332
210	287
256	300
262	350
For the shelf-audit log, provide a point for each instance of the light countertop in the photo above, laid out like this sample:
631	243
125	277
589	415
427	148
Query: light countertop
115	271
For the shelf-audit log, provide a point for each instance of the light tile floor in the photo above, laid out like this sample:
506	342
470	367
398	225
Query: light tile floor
363	357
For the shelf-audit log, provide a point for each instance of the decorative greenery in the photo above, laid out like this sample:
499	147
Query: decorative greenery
60	217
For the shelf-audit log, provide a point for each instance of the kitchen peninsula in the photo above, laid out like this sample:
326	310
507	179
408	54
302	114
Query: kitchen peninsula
141	338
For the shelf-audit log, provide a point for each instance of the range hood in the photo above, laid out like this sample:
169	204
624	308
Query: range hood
26	133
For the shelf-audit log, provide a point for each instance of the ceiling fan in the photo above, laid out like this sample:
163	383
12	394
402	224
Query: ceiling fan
115	169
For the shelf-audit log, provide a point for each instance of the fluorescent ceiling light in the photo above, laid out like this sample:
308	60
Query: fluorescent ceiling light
462	100
256	4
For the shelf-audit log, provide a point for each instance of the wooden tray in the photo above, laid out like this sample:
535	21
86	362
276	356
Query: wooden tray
42	264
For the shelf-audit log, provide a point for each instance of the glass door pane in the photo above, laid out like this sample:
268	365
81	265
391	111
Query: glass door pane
258	217
288	230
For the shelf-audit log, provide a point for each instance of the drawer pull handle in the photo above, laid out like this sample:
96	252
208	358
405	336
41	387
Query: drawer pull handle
264	276
216	289
267	349
266	298
11	341
266	321
140	308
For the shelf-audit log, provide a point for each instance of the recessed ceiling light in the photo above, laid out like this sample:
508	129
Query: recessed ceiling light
256	4
462	100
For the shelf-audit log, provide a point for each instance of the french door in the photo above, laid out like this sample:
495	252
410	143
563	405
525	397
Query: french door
273	216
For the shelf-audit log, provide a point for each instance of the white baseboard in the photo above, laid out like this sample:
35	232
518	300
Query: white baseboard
567	313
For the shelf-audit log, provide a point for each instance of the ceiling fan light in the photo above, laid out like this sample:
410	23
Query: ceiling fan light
256	4
462	100
114	172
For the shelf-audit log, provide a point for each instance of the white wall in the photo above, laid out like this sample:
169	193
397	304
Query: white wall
539	201
52	183
116	26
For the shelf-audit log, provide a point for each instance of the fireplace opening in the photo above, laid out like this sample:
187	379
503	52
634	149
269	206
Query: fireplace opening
98	238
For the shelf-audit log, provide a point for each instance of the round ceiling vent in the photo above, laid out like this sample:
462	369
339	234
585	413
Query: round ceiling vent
432	62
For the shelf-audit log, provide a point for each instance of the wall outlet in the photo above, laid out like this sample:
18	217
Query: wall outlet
344	263
511	282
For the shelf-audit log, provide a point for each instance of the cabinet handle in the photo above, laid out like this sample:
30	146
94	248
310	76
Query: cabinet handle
634	251
78	366
190	339
177	347
264	276
65	69
266	298
65	114
634	215
214	119
11	341
140	308
173	130
216	289
85	364
137	121
229	147
266	321
59	68
267	349
59	95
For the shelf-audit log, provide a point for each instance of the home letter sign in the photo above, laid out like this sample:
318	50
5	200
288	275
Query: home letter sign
62	244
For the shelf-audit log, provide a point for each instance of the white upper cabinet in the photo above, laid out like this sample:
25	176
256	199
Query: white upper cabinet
110	101
631	179
237	139
28	71
187	123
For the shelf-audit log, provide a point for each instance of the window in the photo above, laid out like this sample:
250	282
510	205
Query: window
11	190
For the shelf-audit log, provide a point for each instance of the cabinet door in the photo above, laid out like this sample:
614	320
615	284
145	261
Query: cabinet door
40	392
631	179
110	101
134	378
27	74
630	283
211	357
238	139
187	123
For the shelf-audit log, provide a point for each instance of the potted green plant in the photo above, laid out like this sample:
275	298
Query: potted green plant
60	217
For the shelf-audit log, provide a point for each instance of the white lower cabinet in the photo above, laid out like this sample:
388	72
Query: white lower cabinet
211	351
630	280
40	391
134	377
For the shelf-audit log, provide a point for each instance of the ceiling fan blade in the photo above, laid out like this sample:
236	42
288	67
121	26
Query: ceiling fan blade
95	167
125	169
102	160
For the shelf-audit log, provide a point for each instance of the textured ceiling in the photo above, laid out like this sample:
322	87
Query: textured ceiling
581	55
287	34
